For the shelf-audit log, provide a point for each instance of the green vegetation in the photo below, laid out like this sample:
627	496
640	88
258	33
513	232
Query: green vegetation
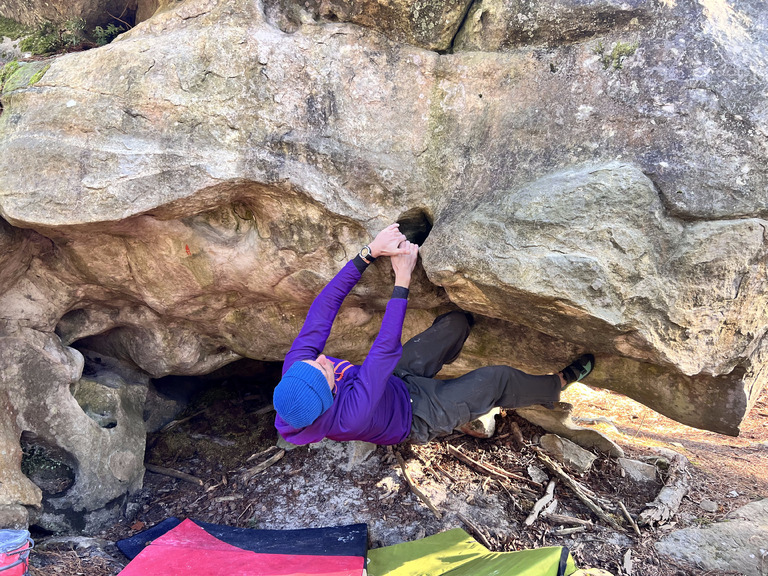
49	37
615	58
12	29
104	36
52	37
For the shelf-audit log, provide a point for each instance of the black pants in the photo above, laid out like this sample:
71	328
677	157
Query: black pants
439	406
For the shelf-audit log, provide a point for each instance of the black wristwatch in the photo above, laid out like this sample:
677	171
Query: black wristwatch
366	254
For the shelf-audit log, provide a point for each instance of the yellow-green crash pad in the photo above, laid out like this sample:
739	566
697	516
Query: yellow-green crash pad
456	553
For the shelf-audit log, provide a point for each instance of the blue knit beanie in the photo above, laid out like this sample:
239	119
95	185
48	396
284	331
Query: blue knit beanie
302	395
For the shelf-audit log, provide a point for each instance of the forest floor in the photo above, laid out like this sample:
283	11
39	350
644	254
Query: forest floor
311	487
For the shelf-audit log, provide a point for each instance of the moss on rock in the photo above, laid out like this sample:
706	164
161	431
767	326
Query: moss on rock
16	75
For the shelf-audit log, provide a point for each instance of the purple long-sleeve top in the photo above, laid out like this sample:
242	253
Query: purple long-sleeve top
371	403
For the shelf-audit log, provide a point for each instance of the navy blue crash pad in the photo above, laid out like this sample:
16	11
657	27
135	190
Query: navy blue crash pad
349	540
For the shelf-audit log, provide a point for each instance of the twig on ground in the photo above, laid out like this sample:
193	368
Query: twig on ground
628	516
229	498
476	532
173	423
543	501
515	503
577	490
253	457
567	531
251	472
445	473
174	474
645	413
426	462
421	496
77	559
563	519
250	504
490	468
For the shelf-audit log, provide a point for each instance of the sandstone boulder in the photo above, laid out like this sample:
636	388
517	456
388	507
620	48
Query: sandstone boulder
738	544
84	437
583	176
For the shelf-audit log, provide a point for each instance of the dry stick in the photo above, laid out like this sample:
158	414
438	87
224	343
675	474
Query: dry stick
668	500
567	531
121	20
573	485
174	423
173	474
415	490
445	473
251	472
563	519
512	498
645	413
476	532
79	563
628	516
490	468
427	463
253	457
246	510
543	501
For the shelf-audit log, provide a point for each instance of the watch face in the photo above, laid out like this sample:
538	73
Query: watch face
365	252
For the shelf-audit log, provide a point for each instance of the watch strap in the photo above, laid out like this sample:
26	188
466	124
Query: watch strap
366	254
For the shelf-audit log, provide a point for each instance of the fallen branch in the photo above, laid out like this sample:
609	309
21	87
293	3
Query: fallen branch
174	474
476	532
666	503
567	531
415	490
577	490
445	473
563	519
174	423
490	468
230	498
251	472
543	501
253	457
628	516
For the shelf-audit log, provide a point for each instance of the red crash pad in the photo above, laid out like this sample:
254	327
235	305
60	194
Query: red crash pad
188	550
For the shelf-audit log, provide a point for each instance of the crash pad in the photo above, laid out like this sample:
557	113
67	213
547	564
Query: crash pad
344	540
456	553
190	550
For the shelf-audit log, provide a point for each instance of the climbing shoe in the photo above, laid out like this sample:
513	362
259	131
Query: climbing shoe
577	370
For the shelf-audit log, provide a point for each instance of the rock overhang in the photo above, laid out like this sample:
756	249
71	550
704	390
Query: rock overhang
186	204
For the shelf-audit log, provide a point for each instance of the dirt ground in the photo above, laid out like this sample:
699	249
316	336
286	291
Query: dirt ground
229	430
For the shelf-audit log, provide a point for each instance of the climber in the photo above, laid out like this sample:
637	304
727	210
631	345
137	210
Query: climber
394	396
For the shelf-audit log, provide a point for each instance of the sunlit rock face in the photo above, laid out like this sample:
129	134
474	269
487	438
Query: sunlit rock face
583	176
93	12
